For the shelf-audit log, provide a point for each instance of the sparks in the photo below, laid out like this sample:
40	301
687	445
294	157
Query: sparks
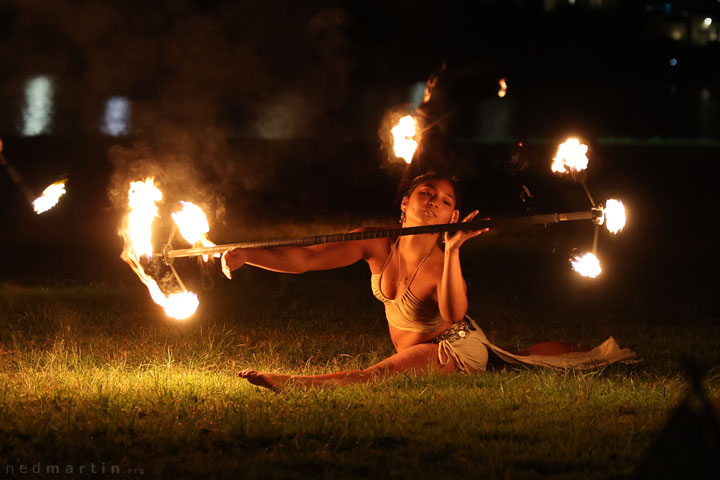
586	265
405	140
137	233
49	198
570	157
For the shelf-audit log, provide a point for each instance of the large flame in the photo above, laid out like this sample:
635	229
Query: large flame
142	198
586	265
49	198
193	226
137	233
614	215
405	138
570	157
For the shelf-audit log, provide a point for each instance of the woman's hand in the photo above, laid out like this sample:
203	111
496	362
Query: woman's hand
454	241
232	260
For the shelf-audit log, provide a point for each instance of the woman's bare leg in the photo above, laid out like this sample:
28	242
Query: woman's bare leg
416	360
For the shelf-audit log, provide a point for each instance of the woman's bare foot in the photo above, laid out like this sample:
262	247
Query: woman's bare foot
273	381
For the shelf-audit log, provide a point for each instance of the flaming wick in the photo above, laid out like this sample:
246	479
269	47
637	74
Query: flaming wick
137	233
193	225
570	157
405	140
586	265
49	198
615	218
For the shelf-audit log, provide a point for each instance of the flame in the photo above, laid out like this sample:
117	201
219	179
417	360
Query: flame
137	234
49	197
587	265
614	215
404	138
142	197
181	305
192	222
571	156
193	226
503	88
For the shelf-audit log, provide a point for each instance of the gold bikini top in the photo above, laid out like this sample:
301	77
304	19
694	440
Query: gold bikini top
407	312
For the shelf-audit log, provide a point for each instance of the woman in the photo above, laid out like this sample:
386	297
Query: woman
424	294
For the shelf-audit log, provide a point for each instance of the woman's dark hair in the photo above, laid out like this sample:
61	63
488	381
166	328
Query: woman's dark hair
432	175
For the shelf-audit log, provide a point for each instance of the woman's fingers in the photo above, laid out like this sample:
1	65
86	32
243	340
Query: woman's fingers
225	268
470	216
231	260
459	237
475	233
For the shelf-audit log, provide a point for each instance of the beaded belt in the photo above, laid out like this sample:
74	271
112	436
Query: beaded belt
456	332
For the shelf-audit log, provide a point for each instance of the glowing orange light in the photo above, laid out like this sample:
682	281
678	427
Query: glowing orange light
570	157
193	226
586	265
405	139
136	231
614	215
49	197
503	88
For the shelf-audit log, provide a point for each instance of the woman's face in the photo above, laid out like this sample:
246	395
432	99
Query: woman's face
431	203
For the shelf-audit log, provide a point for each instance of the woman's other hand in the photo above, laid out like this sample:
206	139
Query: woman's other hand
455	240
232	260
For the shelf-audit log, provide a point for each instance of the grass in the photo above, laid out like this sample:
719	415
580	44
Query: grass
95	374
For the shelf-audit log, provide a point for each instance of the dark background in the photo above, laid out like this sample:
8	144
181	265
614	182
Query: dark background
276	113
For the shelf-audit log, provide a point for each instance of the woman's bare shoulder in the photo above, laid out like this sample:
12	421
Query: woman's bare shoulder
377	248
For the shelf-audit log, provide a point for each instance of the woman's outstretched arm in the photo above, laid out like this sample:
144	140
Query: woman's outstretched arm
297	259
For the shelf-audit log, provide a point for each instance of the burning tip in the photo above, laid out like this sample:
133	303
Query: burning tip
49	197
586	265
142	199
614	215
193	225
181	305
192	222
405	138
570	157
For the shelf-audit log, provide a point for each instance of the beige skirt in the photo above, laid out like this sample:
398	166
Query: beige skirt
466	344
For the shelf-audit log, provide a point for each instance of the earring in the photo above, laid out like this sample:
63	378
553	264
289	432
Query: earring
402	217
